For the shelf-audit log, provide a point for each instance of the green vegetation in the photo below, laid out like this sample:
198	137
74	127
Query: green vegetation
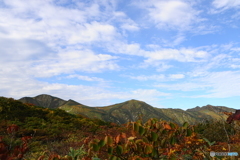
30	132
131	110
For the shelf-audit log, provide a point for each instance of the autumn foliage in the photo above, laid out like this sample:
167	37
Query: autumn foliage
45	134
9	149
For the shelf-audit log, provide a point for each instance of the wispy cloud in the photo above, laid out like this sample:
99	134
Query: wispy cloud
159	77
223	84
182	55
185	86
211	85
225	4
173	14
230	6
85	78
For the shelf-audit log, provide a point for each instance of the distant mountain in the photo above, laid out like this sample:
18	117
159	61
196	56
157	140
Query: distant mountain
131	110
209	112
44	100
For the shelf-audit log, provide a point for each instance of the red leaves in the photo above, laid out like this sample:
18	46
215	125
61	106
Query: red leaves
41	157
235	116
167	126
53	156
227	113
7	152
117	139
124	135
12	128
3	149
86	141
26	139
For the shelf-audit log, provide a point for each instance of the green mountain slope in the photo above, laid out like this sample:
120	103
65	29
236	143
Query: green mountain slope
76	108
210	112
131	110
44	100
178	116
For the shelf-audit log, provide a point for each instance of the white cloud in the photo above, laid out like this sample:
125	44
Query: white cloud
182	55
225	4
176	76
237	49
28	58
93	32
71	61
147	78
234	66
124	48
158	54
148	94
219	6
125	22
34	34
223	84
214	62
178	40
55	25
160	66
130	27
85	78
158	77
172	14
16	50
186	86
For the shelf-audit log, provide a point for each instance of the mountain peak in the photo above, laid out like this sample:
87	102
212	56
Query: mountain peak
44	100
45	96
134	101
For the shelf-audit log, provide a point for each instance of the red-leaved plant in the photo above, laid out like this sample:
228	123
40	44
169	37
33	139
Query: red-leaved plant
9	151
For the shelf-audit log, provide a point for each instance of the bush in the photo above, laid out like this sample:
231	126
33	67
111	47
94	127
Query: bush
218	131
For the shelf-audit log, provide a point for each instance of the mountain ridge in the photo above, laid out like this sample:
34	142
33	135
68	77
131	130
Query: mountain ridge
130	110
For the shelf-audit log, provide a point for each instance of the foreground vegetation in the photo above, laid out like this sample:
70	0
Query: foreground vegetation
30	132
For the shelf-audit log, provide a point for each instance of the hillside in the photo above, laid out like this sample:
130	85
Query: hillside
79	109
130	110
44	123
38	132
44	100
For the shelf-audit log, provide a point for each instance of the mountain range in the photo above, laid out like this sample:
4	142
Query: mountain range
131	110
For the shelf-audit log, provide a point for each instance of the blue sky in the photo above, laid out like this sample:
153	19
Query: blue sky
168	53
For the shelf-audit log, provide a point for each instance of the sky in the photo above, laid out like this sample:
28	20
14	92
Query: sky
167	53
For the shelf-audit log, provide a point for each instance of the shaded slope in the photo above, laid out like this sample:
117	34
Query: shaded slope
44	100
